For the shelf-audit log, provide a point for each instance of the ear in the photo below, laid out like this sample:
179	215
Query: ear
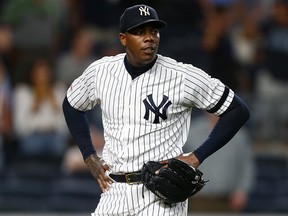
122	38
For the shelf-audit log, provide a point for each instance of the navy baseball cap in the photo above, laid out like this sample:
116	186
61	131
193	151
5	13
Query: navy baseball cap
138	15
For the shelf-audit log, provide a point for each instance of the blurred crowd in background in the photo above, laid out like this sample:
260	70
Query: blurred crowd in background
46	44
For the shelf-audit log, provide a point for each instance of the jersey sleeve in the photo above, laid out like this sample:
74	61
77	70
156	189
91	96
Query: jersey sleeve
206	93
82	93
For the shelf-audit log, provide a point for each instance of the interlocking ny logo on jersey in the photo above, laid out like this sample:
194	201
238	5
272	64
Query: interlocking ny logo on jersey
144	11
150	105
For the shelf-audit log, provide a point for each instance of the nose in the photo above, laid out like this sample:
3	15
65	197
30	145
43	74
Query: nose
148	36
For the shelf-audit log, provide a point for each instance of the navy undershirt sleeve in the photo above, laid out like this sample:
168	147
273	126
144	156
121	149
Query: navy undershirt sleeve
78	126
227	126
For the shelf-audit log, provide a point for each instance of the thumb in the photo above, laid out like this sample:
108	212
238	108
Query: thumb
105	167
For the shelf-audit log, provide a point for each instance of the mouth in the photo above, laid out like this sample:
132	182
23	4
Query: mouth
149	49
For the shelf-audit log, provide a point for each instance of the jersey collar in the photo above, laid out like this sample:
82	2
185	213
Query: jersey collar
137	71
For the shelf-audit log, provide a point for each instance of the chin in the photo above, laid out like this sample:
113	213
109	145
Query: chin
148	59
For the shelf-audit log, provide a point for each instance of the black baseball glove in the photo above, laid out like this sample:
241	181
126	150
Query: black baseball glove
174	183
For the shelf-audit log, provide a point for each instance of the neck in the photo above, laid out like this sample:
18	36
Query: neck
137	71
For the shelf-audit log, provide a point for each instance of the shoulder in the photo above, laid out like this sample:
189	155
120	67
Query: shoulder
109	59
169	62
180	67
190	75
106	61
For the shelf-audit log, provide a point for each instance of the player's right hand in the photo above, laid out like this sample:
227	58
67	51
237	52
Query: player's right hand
98	168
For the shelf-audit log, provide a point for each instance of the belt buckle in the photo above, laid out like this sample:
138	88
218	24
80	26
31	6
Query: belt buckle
128	179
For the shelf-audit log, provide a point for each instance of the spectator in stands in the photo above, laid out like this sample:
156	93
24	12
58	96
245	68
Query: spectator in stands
275	53
39	122
217	46
77	58
6	48
245	38
272	78
229	183
35	25
186	46
5	112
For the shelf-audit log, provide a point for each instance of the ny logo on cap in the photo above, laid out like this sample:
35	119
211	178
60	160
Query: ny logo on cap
144	11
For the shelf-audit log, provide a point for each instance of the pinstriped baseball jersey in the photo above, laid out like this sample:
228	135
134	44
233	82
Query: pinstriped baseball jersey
146	118
132	203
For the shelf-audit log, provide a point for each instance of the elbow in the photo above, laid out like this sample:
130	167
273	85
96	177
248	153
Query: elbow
245	112
239	110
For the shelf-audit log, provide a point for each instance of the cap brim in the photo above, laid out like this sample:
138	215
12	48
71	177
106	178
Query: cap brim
157	23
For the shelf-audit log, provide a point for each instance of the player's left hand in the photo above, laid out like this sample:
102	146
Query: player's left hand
188	158
98	168
175	182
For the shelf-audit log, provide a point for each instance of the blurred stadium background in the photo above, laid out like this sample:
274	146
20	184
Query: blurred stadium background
242	42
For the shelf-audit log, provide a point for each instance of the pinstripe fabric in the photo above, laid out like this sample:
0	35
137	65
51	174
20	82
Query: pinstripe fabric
165	93
123	199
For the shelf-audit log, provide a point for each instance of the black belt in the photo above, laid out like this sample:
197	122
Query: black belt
129	178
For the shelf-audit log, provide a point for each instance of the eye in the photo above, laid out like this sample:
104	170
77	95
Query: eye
136	31
155	32
139	32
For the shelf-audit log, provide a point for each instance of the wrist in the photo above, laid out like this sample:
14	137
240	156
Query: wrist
88	151
92	158
192	159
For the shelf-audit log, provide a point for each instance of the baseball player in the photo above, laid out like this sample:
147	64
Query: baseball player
146	101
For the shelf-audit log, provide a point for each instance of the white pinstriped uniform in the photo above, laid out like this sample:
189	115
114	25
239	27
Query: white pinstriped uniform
144	119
